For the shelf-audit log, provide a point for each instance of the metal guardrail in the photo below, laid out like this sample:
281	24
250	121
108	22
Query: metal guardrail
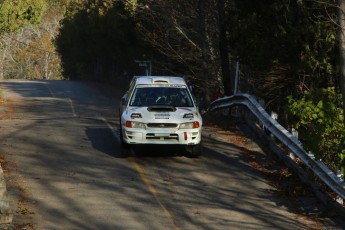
285	137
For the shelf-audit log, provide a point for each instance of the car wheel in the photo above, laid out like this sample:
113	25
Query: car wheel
194	151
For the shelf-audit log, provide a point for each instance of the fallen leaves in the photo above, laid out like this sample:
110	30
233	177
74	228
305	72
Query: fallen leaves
7	109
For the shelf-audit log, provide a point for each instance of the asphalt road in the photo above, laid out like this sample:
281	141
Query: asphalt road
68	171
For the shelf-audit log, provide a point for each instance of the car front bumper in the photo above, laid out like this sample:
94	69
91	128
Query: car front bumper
161	136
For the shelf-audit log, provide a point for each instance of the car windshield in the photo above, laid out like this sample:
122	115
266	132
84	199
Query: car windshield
149	95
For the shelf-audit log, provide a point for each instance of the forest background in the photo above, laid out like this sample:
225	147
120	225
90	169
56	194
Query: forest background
291	52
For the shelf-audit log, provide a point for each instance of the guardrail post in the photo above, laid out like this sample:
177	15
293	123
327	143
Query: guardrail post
311	155
274	116
341	177
294	133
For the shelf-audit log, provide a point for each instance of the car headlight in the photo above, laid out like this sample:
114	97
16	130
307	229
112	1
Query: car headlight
188	115
190	125
135	124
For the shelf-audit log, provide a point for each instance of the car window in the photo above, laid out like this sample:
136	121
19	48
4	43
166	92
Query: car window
145	95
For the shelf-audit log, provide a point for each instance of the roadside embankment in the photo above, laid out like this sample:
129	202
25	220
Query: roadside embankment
6	214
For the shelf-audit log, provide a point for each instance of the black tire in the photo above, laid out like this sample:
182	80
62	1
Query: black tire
194	150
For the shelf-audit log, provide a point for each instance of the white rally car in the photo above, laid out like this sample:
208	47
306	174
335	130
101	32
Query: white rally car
160	110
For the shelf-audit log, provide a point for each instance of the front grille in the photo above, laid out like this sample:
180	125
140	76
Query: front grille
162	137
162	125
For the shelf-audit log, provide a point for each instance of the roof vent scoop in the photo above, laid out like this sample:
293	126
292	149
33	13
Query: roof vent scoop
160	81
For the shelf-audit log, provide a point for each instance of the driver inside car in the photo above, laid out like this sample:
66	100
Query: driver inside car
162	97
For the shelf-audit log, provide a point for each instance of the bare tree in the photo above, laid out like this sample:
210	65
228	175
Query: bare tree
224	48
186	34
341	34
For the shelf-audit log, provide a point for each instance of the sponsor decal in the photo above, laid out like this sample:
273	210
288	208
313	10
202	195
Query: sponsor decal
162	116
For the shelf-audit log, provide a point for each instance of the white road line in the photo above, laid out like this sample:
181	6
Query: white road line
72	107
113	129
49	89
69	99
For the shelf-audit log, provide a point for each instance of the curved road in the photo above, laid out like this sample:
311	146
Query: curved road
61	143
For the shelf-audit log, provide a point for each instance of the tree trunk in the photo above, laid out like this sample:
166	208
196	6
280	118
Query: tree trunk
341	16
223	50
203	41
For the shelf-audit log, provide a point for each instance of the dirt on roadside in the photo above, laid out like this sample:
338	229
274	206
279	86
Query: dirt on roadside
286	184
16	188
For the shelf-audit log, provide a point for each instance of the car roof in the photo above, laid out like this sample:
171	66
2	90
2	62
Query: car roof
175	80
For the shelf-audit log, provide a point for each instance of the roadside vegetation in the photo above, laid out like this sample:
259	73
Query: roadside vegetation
291	53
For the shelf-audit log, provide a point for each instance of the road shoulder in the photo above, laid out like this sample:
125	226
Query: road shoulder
287	187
